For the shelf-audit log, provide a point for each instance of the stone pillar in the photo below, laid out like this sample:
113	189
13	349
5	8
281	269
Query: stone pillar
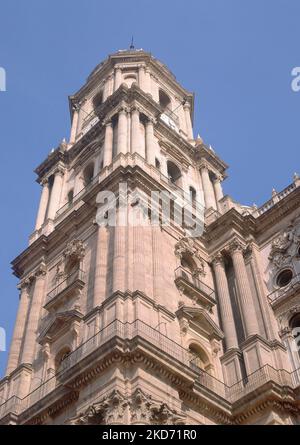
56	193
244	291
218	192
101	266
15	348
142	80
74	126
208	190
122	131
150	153
225	303
188	120
119	253
43	205
34	316
118	78
107	87
148	81
108	144
155	88
136	142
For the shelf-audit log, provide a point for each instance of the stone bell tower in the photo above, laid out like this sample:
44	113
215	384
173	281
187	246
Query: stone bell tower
142	323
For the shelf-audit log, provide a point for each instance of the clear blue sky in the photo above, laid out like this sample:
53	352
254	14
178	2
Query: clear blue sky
236	55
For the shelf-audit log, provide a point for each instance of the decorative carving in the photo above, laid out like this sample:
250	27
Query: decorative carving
110	410
187	246
143	409
75	250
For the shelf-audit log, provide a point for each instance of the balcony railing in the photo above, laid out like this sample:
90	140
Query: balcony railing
185	277
283	292
129	331
77	277
276	198
78	196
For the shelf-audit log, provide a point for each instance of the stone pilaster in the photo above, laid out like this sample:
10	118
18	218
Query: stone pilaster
218	191
74	125
118	78
188	120
101	266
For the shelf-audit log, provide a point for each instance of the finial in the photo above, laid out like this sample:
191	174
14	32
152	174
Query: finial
274	193
131	45
296	176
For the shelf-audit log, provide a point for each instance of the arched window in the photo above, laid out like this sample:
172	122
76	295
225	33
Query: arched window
295	327
193	195
130	79
164	100
70	197
98	99
174	174
88	174
199	358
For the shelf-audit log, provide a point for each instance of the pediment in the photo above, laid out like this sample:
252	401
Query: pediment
60	323
199	320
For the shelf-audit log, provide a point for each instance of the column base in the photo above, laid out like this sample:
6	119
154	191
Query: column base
259	352
231	363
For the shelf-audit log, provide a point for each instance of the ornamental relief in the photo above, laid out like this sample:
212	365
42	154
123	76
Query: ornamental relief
141	408
286	245
72	256
187	246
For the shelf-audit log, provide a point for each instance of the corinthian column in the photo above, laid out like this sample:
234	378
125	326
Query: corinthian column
118	78
188	121
136	142
15	348
209	195
224	302
122	131
56	193
150	155
34	316
244	291
218	191
43	205
108	144
74	125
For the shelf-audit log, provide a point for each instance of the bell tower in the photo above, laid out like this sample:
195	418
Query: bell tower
125	316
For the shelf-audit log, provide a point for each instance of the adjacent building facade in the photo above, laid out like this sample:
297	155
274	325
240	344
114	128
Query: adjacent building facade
142	323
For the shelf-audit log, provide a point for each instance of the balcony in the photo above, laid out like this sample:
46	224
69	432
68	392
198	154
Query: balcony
78	197
69	287
52	390
281	294
194	287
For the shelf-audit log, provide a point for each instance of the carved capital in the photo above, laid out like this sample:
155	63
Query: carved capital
40	272
236	246
218	259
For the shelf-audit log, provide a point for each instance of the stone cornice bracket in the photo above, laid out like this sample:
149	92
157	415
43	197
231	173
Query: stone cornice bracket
40	271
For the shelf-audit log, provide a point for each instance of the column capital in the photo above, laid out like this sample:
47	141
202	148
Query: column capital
45	182
236	246
135	109
218	259
123	110
25	284
150	121
107	123
187	105
60	170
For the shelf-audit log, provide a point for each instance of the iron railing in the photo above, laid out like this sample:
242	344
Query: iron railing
68	281
186	275
163	343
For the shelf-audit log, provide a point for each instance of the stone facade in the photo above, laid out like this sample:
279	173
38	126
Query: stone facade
142	323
